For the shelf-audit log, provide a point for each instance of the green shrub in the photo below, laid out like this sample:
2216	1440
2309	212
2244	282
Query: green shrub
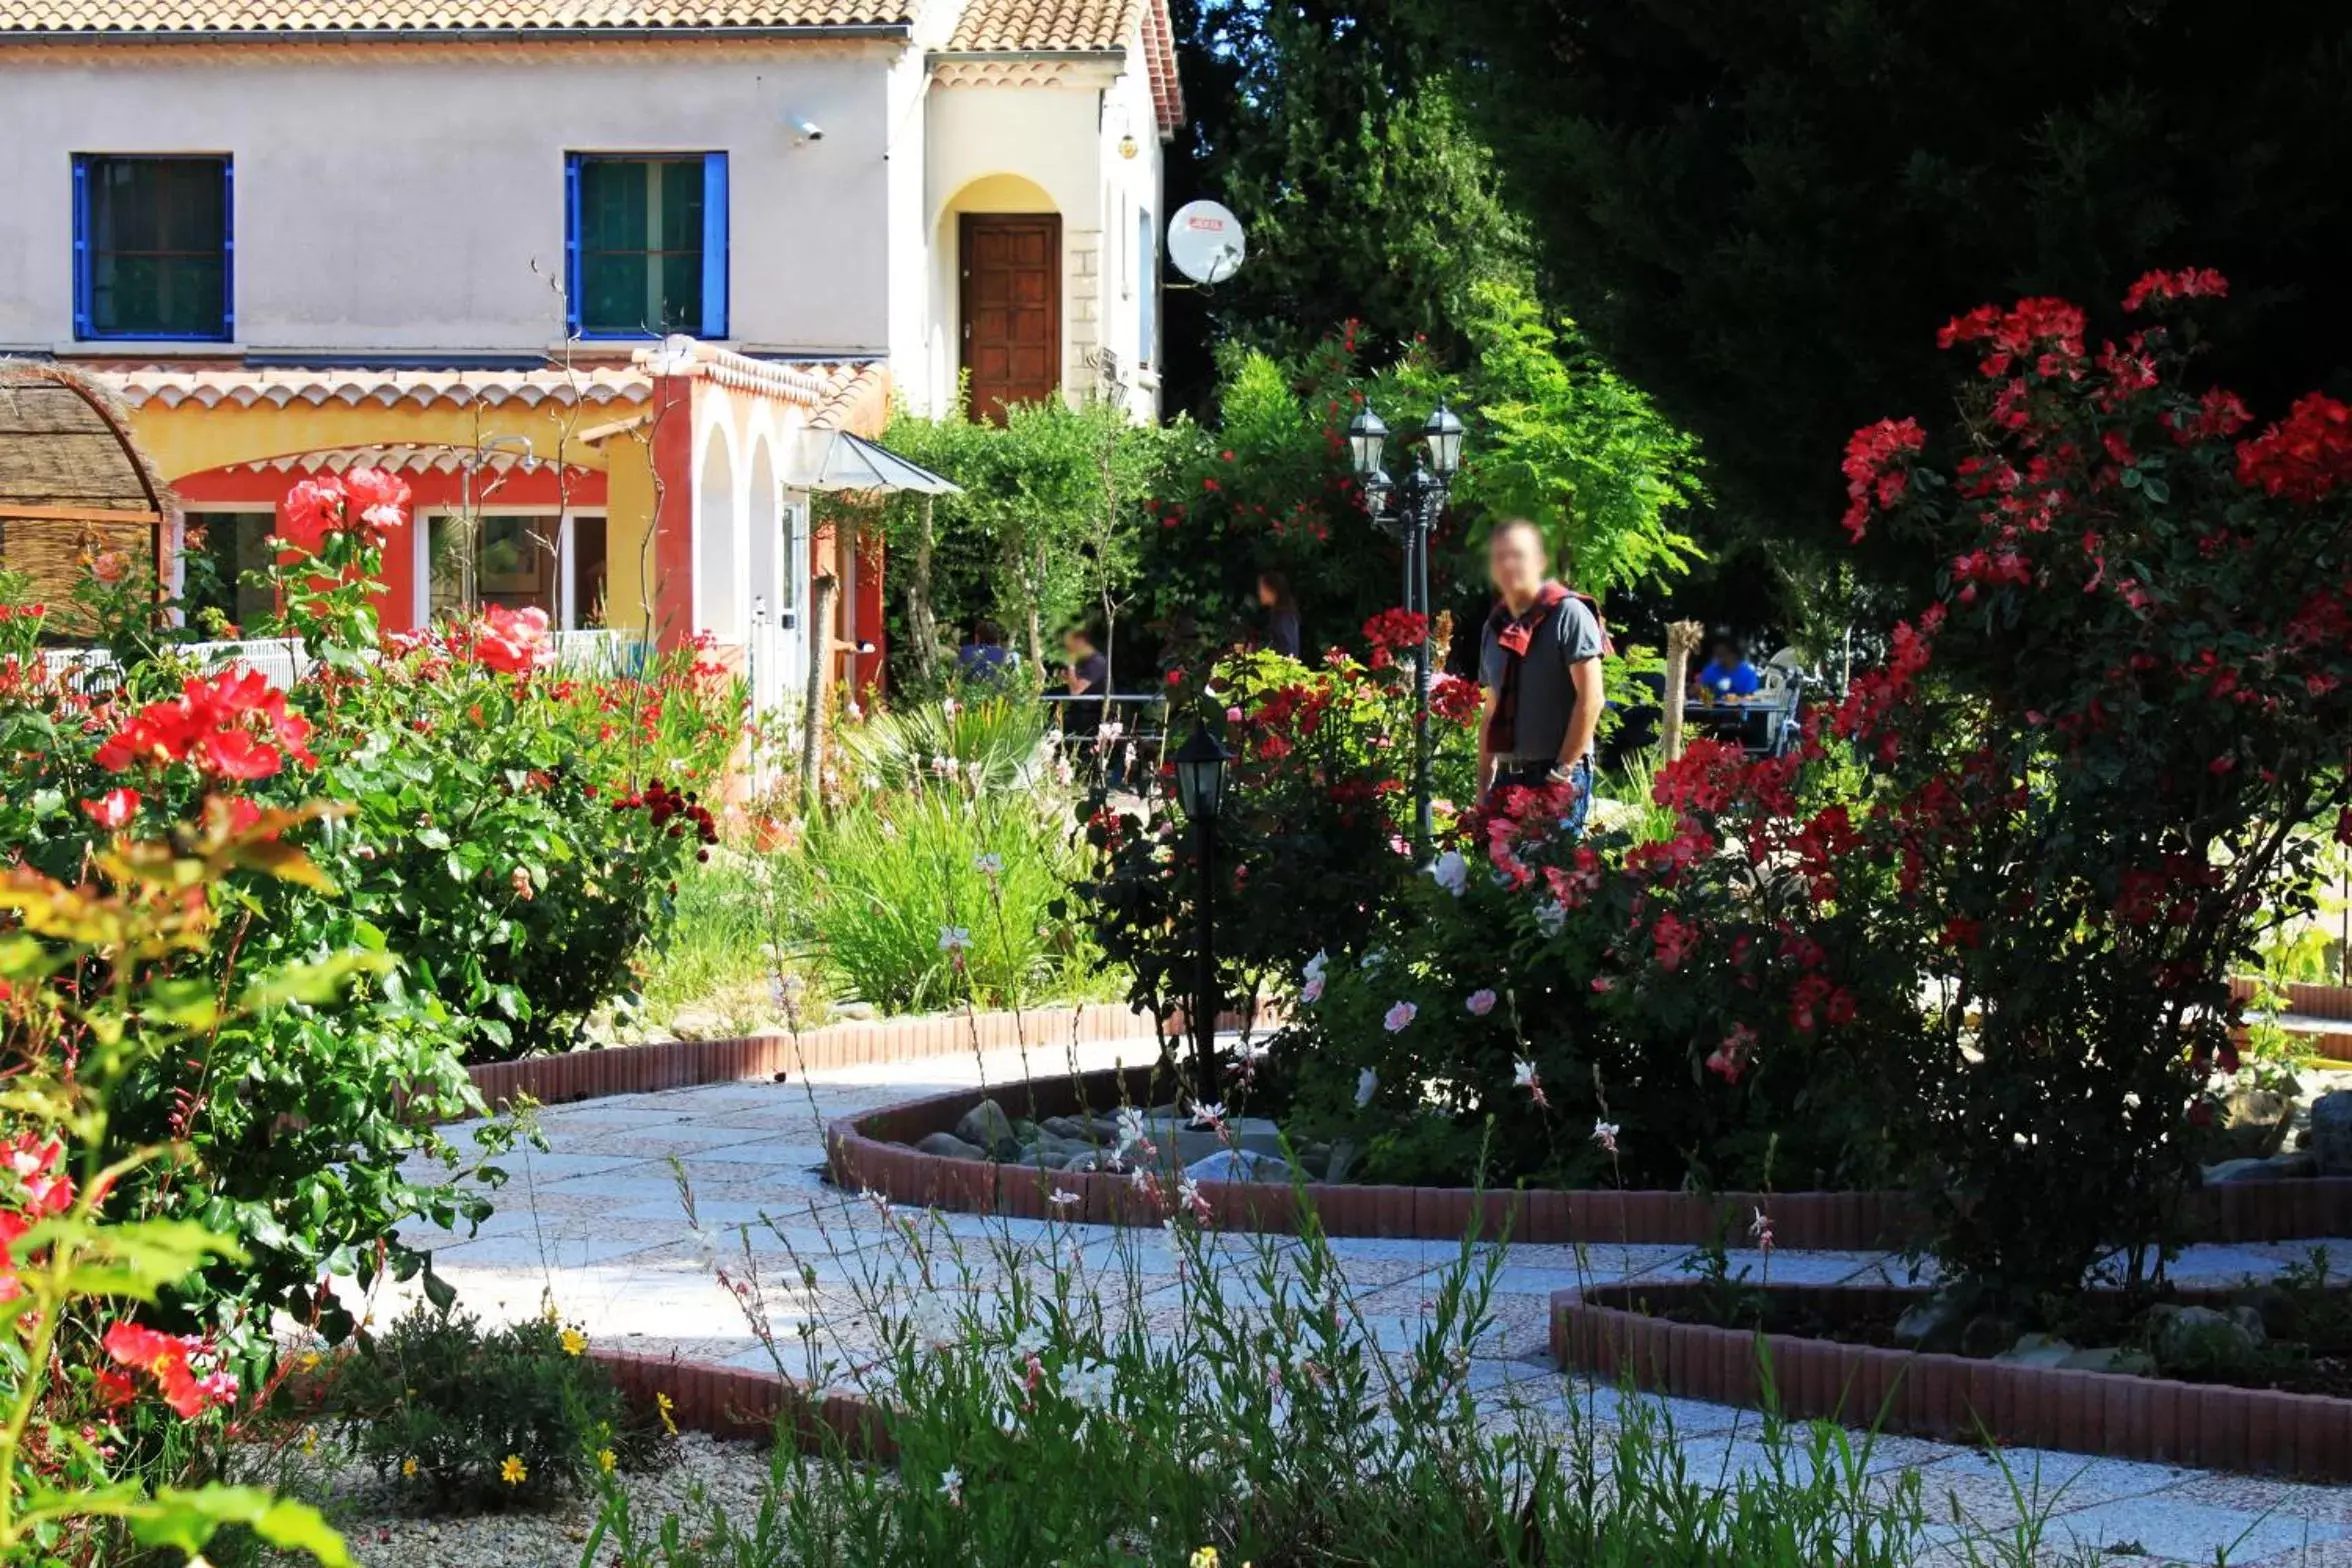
460	1416
996	745
883	892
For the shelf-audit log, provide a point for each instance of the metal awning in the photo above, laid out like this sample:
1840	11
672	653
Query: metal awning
837	460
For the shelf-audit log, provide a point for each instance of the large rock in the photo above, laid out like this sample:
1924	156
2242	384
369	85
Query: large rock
988	1127
2290	1166
950	1147
2200	1338
1242	1165
2252	1125
1191	1144
2331	1132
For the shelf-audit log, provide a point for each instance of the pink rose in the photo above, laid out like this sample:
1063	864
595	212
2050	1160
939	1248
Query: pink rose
1313	992
1399	1016
1481	1003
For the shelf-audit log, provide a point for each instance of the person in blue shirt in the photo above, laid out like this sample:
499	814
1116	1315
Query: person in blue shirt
985	659
1728	673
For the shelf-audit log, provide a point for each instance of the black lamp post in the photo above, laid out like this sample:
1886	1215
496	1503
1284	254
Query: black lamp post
1411	511
1200	788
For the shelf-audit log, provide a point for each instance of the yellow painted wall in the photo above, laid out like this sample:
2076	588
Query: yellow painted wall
194	439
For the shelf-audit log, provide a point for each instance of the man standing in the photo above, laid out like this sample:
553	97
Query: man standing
1541	663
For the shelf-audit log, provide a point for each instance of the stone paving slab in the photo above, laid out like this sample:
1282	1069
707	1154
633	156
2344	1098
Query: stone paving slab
596	1226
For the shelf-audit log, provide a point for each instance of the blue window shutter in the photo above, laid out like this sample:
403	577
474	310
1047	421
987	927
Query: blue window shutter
81	246
572	244
228	250
714	246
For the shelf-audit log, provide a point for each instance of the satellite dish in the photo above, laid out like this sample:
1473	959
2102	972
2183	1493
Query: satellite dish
1206	243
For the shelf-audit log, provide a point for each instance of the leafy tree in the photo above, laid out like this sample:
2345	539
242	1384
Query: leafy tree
1751	207
1042	537
1553	435
1365	200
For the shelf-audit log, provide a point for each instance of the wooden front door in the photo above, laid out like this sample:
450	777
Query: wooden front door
1012	309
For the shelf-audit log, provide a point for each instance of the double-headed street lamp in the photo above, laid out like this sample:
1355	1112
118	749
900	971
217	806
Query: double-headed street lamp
1200	789
1410	511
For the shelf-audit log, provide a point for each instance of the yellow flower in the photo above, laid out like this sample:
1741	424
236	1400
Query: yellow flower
574	1341
311	1360
408	1467
1206	1557
310	1440
605	1460
513	1472
668	1412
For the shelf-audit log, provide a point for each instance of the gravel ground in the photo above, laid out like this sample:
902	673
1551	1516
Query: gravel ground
384	1534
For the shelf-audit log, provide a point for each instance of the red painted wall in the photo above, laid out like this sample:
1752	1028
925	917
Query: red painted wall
239	489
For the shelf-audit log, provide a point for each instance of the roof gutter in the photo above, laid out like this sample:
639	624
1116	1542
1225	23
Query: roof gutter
638	33
1034	56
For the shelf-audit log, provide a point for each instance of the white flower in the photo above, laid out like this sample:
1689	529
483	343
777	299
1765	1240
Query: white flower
1242	1488
988	865
1110	732
1605	1134
1208	1114
949	707
951	1485
1451	872
1062	1199
1367	1085
1523	1075
1374	958
706	1245
1130	1128
1089	1387
1551	917
954	939
1313	973
1188	1193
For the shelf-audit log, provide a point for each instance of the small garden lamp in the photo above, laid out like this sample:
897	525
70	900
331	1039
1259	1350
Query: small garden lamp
1200	788
1200	776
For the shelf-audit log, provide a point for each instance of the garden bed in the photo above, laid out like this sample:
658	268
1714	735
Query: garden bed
682	1064
875	1151
1631	1333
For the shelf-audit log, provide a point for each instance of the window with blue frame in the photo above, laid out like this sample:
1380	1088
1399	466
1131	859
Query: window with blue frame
153	248
646	242
1147	289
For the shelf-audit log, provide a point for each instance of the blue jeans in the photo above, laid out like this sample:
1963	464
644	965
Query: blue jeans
1538	775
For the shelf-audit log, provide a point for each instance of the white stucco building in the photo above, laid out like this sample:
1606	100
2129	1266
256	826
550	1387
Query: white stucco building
296	233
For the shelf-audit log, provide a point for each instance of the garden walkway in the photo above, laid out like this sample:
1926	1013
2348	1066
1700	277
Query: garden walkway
596	1226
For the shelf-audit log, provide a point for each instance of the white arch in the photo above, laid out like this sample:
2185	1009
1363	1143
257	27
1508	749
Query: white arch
718	539
765	579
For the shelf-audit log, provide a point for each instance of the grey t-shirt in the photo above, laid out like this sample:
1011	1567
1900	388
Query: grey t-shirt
1547	692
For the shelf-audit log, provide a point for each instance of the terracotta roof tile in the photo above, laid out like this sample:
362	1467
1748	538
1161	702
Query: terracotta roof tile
98	17
1044	24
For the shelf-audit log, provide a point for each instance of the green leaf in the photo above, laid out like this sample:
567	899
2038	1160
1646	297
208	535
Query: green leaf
438	1291
136	1259
432	838
188	1519
316	984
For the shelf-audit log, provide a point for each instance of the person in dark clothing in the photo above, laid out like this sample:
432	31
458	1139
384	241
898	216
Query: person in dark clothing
1088	679
985	658
1540	660
1284	634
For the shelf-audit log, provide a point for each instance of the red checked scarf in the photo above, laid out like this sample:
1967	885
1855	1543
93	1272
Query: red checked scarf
1513	634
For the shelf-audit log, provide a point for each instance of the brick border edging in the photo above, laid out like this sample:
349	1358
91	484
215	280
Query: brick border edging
874	1151
1947	1397
682	1064
2310	999
743	1403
